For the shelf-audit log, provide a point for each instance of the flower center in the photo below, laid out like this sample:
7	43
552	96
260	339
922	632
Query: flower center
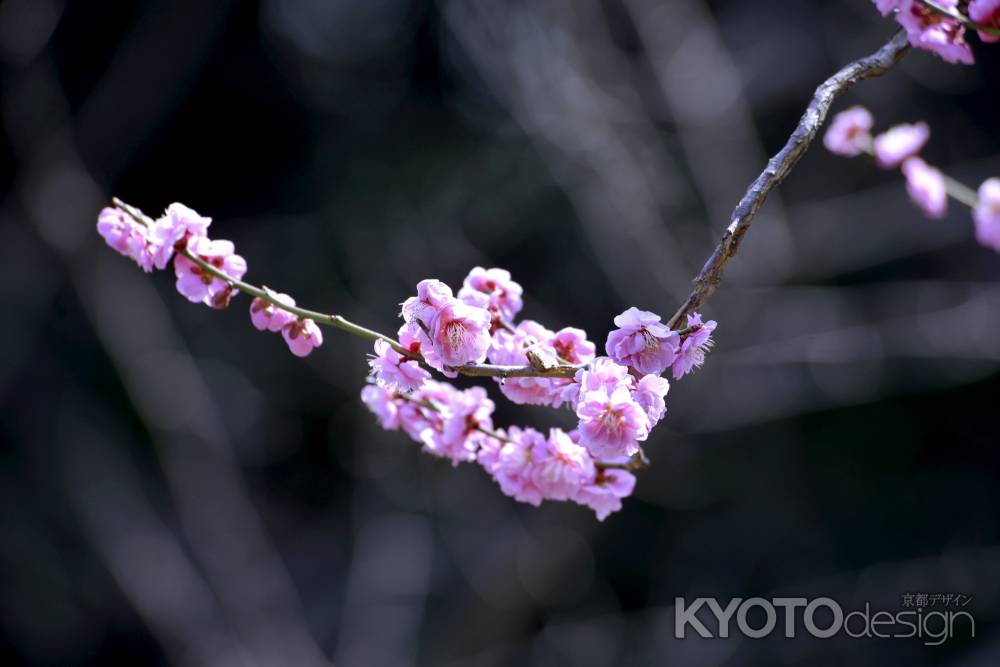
650	343
455	333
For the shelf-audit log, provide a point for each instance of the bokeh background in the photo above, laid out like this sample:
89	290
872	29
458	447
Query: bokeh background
176	488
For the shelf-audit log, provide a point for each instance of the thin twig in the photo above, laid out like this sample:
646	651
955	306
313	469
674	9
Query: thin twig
779	166
472	370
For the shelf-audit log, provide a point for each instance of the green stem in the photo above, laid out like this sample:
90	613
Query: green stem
961	18
961	192
955	189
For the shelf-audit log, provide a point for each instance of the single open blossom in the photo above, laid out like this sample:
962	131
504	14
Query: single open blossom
178	224
691	354
897	144
460	334
126	236
265	316
394	371
850	132
503	295
929	30
199	285
302	336
926	187
642	342
986	214
986	13
605	492
383	405
649	394
611	425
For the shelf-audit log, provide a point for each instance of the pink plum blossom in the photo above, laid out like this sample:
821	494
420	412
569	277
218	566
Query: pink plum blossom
571	345
511	349
603	374
986	214
383	405
460	334
394	371
174	229
986	13
694	346
445	420
419	421
265	316
611	425
649	394
926	187
126	236
931	31
413	338
510	463
604	494
461	417
642	342
503	295
199	285
561	467
850	132
899	143
432	295
456	332
302	336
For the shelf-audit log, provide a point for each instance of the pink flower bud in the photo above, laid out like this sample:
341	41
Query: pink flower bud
986	214
850	132
265	316
926	187
899	143
302	336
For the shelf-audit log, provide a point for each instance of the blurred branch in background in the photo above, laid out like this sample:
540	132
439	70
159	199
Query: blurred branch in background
162	380
591	130
702	88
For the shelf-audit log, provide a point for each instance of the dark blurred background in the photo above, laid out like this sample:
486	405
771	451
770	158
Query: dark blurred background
176	488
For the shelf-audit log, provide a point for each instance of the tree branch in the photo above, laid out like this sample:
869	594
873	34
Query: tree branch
471	370
779	166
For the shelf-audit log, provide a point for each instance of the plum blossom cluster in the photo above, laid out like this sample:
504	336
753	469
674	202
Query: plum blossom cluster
939	26
528	466
207	271
616	399
899	147
179	231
